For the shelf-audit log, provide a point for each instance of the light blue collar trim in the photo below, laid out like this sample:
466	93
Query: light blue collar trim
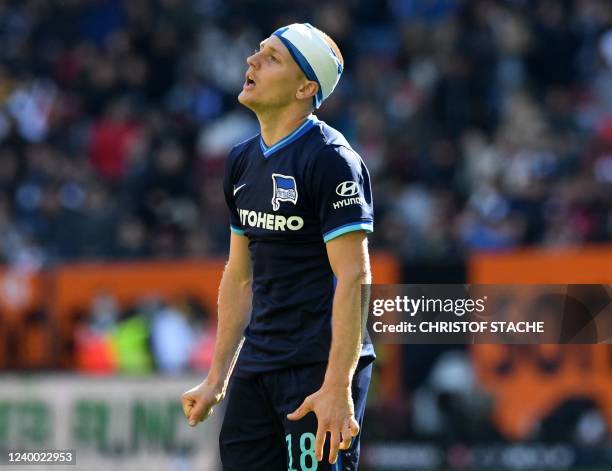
301	130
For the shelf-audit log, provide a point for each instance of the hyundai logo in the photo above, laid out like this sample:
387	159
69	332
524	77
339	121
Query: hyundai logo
347	188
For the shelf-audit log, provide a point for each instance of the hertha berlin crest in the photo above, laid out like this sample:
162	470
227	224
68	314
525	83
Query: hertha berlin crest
285	189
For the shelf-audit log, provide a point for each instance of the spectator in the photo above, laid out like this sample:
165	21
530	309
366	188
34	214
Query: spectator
485	123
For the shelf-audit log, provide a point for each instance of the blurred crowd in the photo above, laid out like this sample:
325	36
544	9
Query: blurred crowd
486	124
154	335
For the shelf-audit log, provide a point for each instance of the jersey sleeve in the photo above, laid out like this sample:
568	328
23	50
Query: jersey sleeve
228	189
342	193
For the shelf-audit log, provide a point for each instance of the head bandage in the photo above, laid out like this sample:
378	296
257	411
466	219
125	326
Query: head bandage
313	55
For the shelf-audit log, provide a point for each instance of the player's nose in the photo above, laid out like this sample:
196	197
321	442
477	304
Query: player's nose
253	60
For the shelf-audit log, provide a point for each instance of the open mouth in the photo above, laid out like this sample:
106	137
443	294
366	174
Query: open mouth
249	82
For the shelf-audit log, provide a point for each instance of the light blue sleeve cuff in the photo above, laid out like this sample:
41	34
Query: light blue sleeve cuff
236	230
353	226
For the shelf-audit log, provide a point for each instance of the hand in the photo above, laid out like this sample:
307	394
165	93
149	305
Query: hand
198	402
333	406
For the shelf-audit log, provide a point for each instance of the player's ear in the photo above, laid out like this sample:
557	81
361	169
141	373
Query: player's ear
307	89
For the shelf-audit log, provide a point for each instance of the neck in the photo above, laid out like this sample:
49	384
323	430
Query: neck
278	124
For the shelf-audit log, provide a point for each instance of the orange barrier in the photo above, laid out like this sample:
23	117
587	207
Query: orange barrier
70	288
77	284
543	266
19	292
21	295
536	379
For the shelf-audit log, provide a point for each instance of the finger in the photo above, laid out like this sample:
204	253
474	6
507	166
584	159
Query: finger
187	404
345	444
188	409
320	442
300	411
354	427
334	441
200	410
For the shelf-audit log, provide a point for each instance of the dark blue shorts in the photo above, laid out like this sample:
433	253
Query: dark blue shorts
256	434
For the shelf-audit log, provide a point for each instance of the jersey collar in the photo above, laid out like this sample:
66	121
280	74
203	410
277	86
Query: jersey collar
285	141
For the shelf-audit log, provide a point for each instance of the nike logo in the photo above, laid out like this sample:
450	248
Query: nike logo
237	188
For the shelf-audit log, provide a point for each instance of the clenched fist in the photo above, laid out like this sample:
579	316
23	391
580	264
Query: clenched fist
198	402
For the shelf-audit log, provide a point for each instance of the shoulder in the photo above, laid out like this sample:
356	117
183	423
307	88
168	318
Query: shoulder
337	155
331	147
327	135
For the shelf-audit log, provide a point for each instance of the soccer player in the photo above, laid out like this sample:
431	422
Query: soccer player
290	312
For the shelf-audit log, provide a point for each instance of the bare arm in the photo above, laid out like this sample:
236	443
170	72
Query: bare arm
333	402
349	259
233	315
235	297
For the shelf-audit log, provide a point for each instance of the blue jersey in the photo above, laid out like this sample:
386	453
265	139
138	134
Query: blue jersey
289	200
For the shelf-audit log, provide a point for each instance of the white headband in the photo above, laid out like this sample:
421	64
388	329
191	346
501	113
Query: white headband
313	55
